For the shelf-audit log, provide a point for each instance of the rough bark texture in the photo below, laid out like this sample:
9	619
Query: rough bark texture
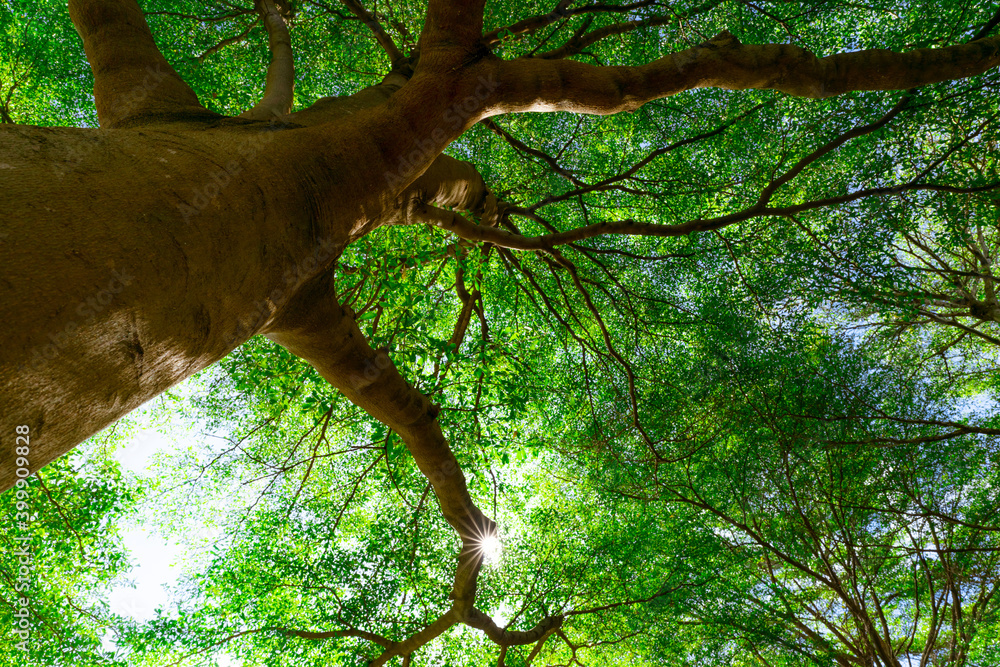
120	281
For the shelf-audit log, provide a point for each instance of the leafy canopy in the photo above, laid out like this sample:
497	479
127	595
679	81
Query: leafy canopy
774	443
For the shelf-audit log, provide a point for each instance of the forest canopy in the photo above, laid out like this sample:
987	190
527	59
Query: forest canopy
719	367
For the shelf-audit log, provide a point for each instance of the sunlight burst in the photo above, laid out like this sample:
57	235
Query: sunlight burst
491	549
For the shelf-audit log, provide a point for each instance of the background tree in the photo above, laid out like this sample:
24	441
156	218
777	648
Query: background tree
74	553
720	367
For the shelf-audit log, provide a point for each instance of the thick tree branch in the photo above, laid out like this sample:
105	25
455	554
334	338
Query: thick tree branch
533	84
465	315
444	623
452	28
479	620
132	80
316	328
278	91
468	230
329	109
447	182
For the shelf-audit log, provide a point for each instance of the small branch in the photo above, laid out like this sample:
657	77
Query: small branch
578	43
225	640
59	509
988	27
381	36
361	634
531	25
223	43
519	145
203	19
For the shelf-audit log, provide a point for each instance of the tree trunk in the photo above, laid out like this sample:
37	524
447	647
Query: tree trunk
134	258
